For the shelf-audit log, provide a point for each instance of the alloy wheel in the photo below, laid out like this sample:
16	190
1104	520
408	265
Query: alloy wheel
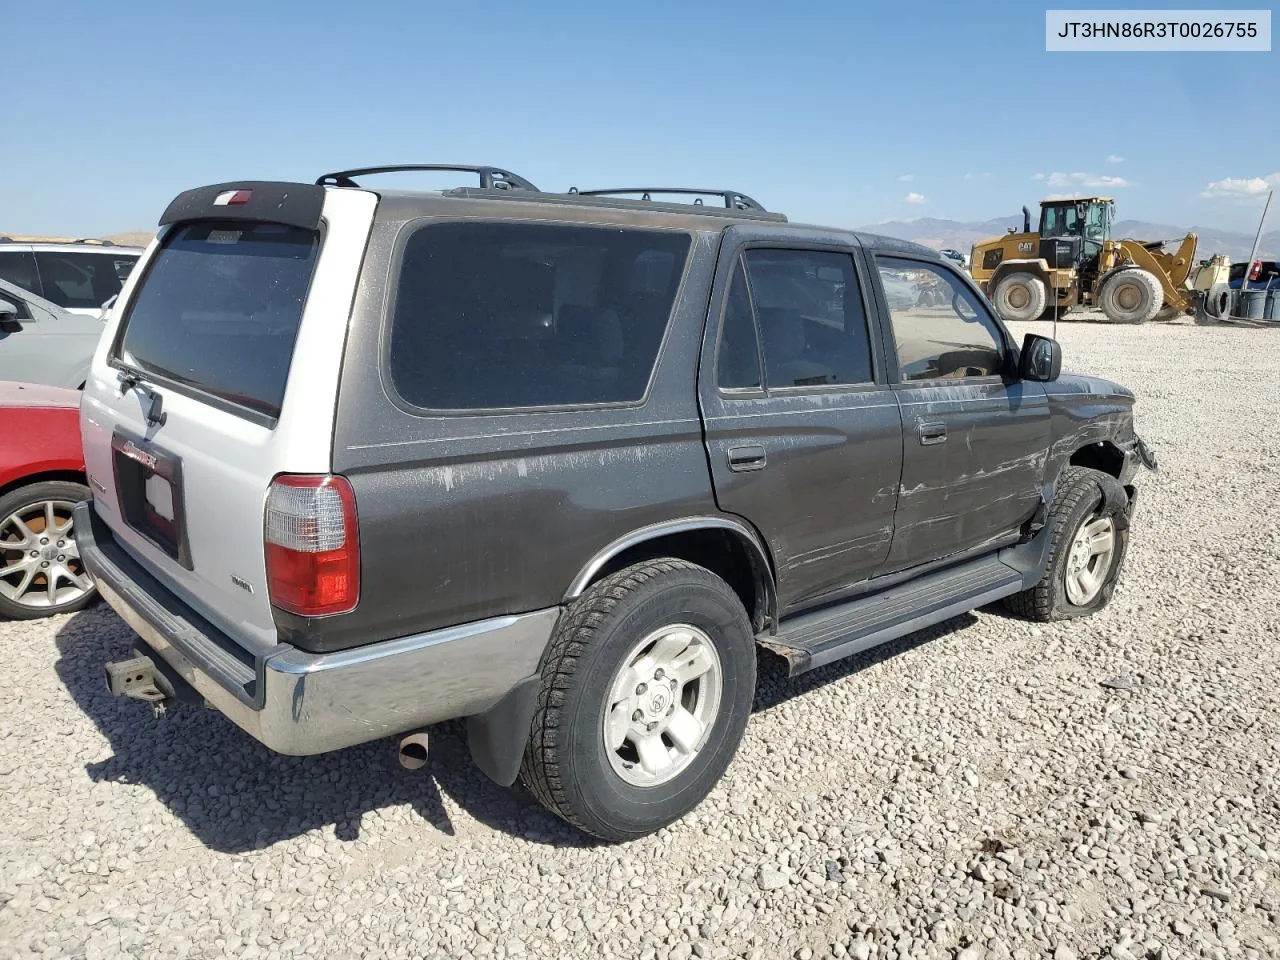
40	564
662	703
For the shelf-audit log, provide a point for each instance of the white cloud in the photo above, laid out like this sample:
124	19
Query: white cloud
915	197
968	176
1091	180
1242	187
1037	176
1114	158
907	177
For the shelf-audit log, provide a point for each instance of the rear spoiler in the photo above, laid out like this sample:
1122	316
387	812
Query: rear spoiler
267	201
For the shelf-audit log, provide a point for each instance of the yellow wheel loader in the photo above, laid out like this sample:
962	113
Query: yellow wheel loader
1072	261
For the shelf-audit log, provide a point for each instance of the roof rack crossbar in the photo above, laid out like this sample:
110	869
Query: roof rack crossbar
733	199
491	178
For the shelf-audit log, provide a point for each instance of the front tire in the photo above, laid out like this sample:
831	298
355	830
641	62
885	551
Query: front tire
1131	296
1089	531
647	685
1020	296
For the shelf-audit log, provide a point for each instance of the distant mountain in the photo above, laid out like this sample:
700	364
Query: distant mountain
960	235
135	238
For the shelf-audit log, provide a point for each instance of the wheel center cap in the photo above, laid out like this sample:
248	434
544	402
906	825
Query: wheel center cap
49	552
658	703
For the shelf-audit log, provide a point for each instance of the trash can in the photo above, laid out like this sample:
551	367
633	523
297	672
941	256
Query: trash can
1253	303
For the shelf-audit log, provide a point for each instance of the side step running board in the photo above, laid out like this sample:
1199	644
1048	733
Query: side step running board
815	639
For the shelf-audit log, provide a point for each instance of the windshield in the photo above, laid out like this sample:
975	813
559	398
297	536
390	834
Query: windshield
219	310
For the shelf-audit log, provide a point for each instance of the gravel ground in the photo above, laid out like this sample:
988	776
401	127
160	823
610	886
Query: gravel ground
1102	788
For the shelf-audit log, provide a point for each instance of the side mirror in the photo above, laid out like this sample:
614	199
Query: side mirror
1041	359
8	310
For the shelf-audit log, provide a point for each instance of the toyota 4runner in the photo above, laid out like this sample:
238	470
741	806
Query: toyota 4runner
557	463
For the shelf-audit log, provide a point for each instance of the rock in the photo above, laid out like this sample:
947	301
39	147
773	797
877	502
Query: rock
771	878
1119	682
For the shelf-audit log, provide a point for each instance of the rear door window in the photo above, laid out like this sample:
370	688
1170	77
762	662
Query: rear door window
77	279
503	315
219	308
812	323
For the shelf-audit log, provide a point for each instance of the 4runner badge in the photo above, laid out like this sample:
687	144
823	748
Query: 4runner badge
134	452
242	583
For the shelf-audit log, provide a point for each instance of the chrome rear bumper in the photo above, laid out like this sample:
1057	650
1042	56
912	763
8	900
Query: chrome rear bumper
300	703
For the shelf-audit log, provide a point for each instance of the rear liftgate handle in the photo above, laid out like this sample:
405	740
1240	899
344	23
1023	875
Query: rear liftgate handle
744	459
931	432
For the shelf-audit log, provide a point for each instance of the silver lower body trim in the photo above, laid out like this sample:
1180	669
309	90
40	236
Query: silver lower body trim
315	703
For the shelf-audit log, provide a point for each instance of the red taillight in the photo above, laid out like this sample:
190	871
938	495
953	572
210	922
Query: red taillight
312	545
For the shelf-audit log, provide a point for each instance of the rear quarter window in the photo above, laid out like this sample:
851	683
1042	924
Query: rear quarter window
509	315
81	279
219	307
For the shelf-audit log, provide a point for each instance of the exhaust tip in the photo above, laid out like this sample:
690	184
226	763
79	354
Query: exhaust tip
413	751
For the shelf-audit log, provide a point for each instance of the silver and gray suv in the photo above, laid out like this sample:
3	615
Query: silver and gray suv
560	464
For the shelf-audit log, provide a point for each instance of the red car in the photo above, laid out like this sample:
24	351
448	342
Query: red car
41	478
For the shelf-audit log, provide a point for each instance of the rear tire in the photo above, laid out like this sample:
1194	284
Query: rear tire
1089	534
1131	296
647	685
1020	296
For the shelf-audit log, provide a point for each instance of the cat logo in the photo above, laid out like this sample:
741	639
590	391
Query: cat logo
1024	246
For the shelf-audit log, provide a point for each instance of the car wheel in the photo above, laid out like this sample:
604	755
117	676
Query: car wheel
40	568
1089	531
647	685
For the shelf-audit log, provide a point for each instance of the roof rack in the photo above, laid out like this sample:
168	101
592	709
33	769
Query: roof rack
85	240
491	178
733	199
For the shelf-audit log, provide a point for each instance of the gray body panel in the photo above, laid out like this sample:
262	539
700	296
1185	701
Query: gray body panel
1086	411
983	481
53	345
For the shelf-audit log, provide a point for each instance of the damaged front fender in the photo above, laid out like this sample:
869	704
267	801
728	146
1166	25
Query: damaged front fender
1146	456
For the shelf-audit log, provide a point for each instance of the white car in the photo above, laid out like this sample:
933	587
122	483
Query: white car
79	276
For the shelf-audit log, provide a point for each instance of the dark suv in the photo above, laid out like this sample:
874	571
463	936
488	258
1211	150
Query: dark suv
557	463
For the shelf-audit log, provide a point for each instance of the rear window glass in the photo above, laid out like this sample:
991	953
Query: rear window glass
81	280
219	309
500	315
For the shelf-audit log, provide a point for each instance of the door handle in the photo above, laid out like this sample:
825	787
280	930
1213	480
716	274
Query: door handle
744	459
931	432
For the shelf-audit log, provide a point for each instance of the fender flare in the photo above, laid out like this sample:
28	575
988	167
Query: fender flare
757	553
1037	267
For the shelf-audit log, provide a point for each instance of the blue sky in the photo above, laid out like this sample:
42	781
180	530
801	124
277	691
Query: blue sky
844	113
